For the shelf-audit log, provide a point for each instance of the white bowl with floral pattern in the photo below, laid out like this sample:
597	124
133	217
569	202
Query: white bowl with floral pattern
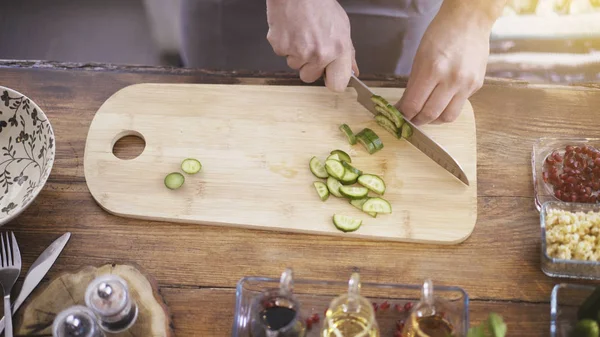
27	148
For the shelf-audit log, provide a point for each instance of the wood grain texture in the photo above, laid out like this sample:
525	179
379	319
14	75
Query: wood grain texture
68	289
498	265
255	143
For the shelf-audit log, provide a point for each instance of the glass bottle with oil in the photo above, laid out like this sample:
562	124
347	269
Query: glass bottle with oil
432	316
276	312
350	315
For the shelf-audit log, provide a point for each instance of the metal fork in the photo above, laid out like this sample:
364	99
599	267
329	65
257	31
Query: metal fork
9	273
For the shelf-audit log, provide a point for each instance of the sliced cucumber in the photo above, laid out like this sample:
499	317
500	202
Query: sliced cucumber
354	192
406	130
191	166
349	177
317	168
373	183
334	156
343	156
333	185
395	115
351	168
377	205
174	180
370	140
387	124
335	168
379	101
394	119
358	203
321	190
346	223
349	134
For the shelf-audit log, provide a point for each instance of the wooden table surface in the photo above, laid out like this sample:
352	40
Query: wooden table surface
197	267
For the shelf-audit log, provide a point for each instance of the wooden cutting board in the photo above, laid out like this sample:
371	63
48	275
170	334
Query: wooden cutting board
255	143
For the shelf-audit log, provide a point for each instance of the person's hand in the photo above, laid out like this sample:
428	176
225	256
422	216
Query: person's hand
449	65
314	35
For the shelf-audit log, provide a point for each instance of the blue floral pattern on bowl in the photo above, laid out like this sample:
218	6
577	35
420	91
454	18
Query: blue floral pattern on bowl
27	149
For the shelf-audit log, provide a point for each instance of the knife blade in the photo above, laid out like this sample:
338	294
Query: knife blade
418	139
38	270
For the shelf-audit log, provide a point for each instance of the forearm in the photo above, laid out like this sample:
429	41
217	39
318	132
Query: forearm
483	13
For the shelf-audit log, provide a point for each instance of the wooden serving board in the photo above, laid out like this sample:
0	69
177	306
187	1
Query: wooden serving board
255	143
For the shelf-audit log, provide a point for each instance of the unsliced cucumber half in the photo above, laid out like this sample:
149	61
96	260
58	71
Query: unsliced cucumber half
346	223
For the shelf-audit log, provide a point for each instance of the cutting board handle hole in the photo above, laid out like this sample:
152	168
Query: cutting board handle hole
128	145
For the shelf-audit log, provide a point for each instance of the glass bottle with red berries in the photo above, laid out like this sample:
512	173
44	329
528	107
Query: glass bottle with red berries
276	312
432	316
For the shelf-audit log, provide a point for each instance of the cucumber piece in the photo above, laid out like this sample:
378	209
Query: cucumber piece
388	125
358	203
396	120
174	180
346	223
335	168
191	166
334	156
322	190
354	192
377	205
379	101
406	130
373	183
343	156
396	116
349	177
317	168
333	185
370	140
351	168
349	134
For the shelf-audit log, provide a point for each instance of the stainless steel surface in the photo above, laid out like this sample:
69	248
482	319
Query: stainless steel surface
9	272
38	270
418	138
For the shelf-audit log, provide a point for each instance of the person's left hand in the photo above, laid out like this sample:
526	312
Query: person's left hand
448	68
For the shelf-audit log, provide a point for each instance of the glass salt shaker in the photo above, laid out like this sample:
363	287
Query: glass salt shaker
109	298
432	316
76	321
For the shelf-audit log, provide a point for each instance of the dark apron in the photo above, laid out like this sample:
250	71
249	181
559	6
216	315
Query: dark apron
231	34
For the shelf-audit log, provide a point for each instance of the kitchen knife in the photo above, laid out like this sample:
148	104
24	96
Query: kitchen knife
418	138
38	270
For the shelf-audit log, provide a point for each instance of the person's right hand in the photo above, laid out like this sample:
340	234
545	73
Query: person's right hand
314	35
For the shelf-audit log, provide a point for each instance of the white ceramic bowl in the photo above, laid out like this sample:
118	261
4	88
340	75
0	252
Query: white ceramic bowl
27	148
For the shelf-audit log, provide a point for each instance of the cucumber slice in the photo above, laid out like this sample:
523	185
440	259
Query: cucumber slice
396	116
174	180
370	140
394	119
377	205
373	183
333	185
321	190
191	166
317	168
358	203
349	134
379	101
351	168
334	157
349	177
354	192
343	156
335	168
346	223
388	125
406	130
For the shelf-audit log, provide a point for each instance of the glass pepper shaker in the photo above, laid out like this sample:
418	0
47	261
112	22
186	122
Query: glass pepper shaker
76	321
432	316
109	298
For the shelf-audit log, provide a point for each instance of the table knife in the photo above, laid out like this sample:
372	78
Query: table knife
418	138
38	270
